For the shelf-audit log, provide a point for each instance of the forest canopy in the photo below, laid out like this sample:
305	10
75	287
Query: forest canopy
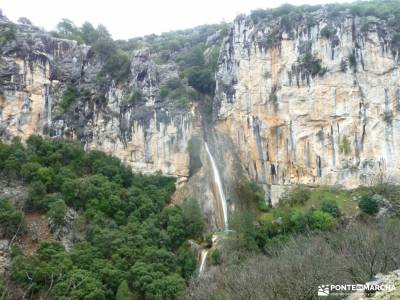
131	241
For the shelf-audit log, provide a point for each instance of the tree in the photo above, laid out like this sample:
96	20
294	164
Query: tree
186	261
24	21
244	231
319	220
124	293
37	196
57	211
11	220
66	29
330	207
299	195
216	257
369	205
202	80
193	218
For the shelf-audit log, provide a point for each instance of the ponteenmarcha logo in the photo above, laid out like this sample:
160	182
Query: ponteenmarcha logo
323	290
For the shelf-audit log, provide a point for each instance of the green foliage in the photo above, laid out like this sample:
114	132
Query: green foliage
129	226
312	65
320	220
328	31
194	145
193	217
66	29
345	146
124	293
7	33
216	257
11	220
244	232
330	207
38	199
299	195
24	21
369	205
353	61
57	211
117	64
70	95
380	9
250	193
134	97
202	80
186	261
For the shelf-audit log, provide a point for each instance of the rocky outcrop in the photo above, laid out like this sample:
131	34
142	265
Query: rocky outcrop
37	71
312	100
390	288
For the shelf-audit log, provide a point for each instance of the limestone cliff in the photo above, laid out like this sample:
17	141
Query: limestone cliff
311	100
311	97
37	71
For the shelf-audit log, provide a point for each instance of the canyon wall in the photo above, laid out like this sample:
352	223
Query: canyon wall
314	103
37	71
311	98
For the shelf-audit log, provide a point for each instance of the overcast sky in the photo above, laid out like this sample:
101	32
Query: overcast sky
130	18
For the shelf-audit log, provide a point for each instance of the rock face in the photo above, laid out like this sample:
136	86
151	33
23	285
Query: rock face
311	100
312	103
37	70
392	290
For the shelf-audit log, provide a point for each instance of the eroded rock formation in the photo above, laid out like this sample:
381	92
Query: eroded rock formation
316	102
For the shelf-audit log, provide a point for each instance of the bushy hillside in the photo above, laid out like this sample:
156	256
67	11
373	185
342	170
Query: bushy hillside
130	239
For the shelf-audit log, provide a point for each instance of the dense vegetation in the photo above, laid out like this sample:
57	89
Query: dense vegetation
386	10
294	270
131	242
314	236
196	61
287	17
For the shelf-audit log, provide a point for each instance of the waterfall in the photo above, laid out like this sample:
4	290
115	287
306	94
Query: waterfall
217	180
203	256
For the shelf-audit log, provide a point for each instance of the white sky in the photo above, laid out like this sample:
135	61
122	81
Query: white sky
131	18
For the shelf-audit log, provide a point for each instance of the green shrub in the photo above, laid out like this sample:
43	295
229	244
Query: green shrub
216	257
7	33
328	31
299	221
319	220
202	80
135	96
368	205
194	146
193	217
345	146
299	195
124	293
330	207
353	61
208	240
57	211
71	95
37	196
244	231
311	64
10	219
250	193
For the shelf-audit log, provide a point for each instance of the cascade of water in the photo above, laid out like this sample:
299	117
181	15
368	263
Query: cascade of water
217	180
203	257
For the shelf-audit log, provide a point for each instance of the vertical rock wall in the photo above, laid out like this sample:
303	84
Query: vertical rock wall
290	123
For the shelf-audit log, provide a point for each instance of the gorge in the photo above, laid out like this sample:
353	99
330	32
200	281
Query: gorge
240	114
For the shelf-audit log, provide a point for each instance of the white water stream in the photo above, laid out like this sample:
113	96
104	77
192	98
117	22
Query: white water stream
203	256
217	180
